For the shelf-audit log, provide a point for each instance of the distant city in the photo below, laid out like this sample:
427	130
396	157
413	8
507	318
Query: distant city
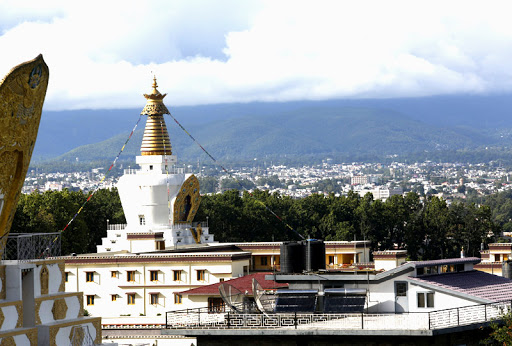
446	180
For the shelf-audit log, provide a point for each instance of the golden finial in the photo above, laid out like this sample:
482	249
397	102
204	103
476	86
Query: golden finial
155	104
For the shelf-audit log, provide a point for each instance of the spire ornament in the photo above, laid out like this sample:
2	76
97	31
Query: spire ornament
156	138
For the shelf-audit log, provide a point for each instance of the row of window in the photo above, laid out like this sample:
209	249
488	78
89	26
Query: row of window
153	275
130	298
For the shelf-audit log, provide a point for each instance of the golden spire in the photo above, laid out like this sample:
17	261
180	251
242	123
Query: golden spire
156	138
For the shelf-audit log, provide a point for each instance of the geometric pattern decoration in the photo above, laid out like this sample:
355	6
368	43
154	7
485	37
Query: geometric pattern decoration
19	310
187	201
8	341
22	93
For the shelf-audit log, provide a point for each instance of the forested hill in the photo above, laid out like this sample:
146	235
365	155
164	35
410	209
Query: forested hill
304	131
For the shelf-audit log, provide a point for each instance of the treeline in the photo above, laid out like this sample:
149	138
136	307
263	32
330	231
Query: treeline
428	229
50	211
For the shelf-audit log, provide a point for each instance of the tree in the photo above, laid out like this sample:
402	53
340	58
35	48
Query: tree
501	332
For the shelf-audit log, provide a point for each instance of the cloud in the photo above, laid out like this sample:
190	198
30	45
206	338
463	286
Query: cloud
103	54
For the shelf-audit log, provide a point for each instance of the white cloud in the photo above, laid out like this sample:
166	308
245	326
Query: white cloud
101	54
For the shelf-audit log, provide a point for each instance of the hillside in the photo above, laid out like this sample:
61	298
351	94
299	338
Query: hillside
306	131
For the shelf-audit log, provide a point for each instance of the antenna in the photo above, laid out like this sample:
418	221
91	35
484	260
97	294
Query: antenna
265	299
231	296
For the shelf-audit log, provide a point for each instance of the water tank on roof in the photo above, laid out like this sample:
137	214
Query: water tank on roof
314	254
506	269
292	257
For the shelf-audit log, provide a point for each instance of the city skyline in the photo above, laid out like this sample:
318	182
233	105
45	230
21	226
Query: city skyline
104	55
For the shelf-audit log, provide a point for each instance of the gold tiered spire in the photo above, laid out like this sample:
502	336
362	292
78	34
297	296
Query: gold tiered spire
156	138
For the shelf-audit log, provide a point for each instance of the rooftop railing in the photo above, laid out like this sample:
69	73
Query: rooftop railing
211	319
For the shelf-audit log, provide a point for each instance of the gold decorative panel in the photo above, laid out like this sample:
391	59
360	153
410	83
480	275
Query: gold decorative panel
22	93
8	341
187	201
32	337
62	268
59	309
2	317
37	308
3	288
44	277
77	335
19	310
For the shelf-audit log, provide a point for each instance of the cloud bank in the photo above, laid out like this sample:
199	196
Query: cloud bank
104	54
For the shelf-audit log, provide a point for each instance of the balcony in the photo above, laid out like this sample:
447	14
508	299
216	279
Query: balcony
420	321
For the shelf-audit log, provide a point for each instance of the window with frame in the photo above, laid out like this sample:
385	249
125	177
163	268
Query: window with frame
66	276
200	275
216	305
131	298
142	220
264	260
114	297
153	297
176	275
90	300
130	276
401	289
178	298
89	276
153	274
113	274
425	299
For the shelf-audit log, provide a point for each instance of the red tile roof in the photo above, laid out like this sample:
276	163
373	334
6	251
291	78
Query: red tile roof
243	283
474	283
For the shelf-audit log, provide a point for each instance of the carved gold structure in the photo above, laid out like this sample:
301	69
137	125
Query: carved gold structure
187	201
95	321
4	285
44	277
156	138
2	318
59	309
19	310
8	341
5	338
62	269
56	310
22	94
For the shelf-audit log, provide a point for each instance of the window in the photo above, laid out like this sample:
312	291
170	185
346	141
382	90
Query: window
153	275
90	300
216	304
160	245
114	297
177	298
425	299
150	167
131	298
142	220
221	280
264	260
176	275
89	276
200	275
401	289
331	259
66	276
113	274
130	275
154	298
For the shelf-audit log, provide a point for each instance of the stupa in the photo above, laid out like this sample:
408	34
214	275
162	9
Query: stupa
159	200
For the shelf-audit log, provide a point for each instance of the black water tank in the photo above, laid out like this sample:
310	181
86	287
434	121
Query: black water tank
506	269
292	255
314	255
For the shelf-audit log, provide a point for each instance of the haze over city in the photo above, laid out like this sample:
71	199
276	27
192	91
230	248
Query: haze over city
104	54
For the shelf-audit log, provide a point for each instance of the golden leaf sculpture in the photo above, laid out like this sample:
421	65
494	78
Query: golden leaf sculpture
22	94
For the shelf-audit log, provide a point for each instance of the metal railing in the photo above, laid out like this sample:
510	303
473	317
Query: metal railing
24	246
205	319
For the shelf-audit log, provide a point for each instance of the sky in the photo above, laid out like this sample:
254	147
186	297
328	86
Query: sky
103	54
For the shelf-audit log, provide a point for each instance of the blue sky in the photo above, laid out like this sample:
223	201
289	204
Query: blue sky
103	54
